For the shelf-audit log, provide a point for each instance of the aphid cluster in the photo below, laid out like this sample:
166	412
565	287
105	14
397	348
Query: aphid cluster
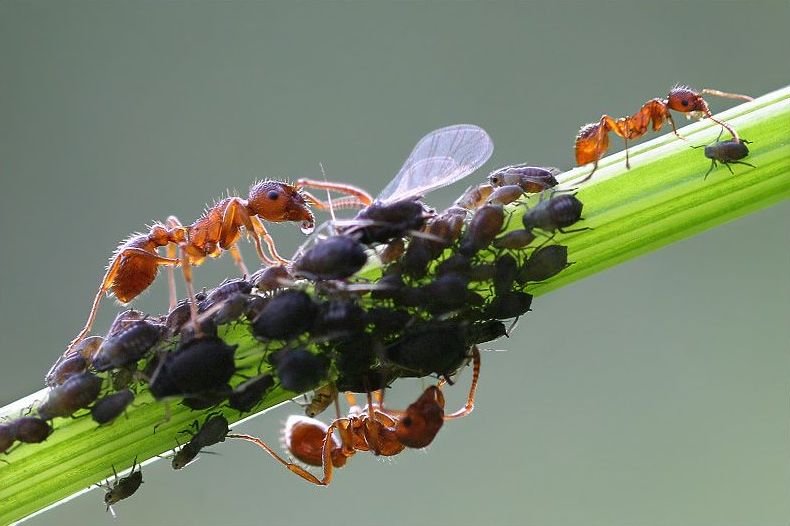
442	284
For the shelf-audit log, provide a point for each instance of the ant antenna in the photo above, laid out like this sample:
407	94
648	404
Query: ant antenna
328	195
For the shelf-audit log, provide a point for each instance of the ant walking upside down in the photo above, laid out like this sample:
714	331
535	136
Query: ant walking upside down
135	263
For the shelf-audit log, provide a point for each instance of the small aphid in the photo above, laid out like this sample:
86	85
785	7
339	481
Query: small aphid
386	321
504	195
531	179
455	263
122	488
544	263
7	436
110	407
727	153
484	227
514	240
435	347
206	399
123	320
299	370
228	310
74	362
128	345
31	430
227	289
508	305
74	394
474	197
556	213
185	455
485	331
357	364
285	316
505	269
180	314
381	223
213	431
205	364
247	394
338	318
393	251
337	257
271	278
322	398
446	293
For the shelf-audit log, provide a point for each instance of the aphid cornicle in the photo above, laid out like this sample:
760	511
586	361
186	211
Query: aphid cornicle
556	213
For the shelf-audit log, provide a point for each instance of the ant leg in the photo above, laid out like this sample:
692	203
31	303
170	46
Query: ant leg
717	93
234	252
106	284
193	309
674	129
267	238
365	198
470	401
235	215
172	222
299	470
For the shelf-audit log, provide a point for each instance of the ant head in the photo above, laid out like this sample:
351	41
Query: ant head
422	419
686	100
277	202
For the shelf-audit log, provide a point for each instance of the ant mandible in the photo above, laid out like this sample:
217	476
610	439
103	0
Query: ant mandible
135	263
385	432
592	140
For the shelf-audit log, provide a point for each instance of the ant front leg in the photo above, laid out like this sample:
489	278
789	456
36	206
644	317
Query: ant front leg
326	456
172	222
233	217
364	198
470	400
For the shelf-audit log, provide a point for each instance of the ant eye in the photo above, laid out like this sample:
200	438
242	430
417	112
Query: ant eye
684	102
273	195
406	421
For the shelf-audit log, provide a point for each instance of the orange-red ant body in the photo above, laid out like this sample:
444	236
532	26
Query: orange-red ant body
385	432
592	140
135	263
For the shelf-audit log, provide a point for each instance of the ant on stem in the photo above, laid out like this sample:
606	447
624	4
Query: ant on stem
135	263
385	432
592	141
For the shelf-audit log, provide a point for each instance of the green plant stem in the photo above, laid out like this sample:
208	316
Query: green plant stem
661	199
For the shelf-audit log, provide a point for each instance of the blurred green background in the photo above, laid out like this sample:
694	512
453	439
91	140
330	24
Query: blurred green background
654	393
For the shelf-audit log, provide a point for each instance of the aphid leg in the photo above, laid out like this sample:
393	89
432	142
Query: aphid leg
362	196
726	95
261	231
470	400
574	230
299	470
106	284
172	222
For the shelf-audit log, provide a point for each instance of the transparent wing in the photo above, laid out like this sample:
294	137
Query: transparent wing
442	157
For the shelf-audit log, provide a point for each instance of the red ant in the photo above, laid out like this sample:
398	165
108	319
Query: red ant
592	140
134	264
385	432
